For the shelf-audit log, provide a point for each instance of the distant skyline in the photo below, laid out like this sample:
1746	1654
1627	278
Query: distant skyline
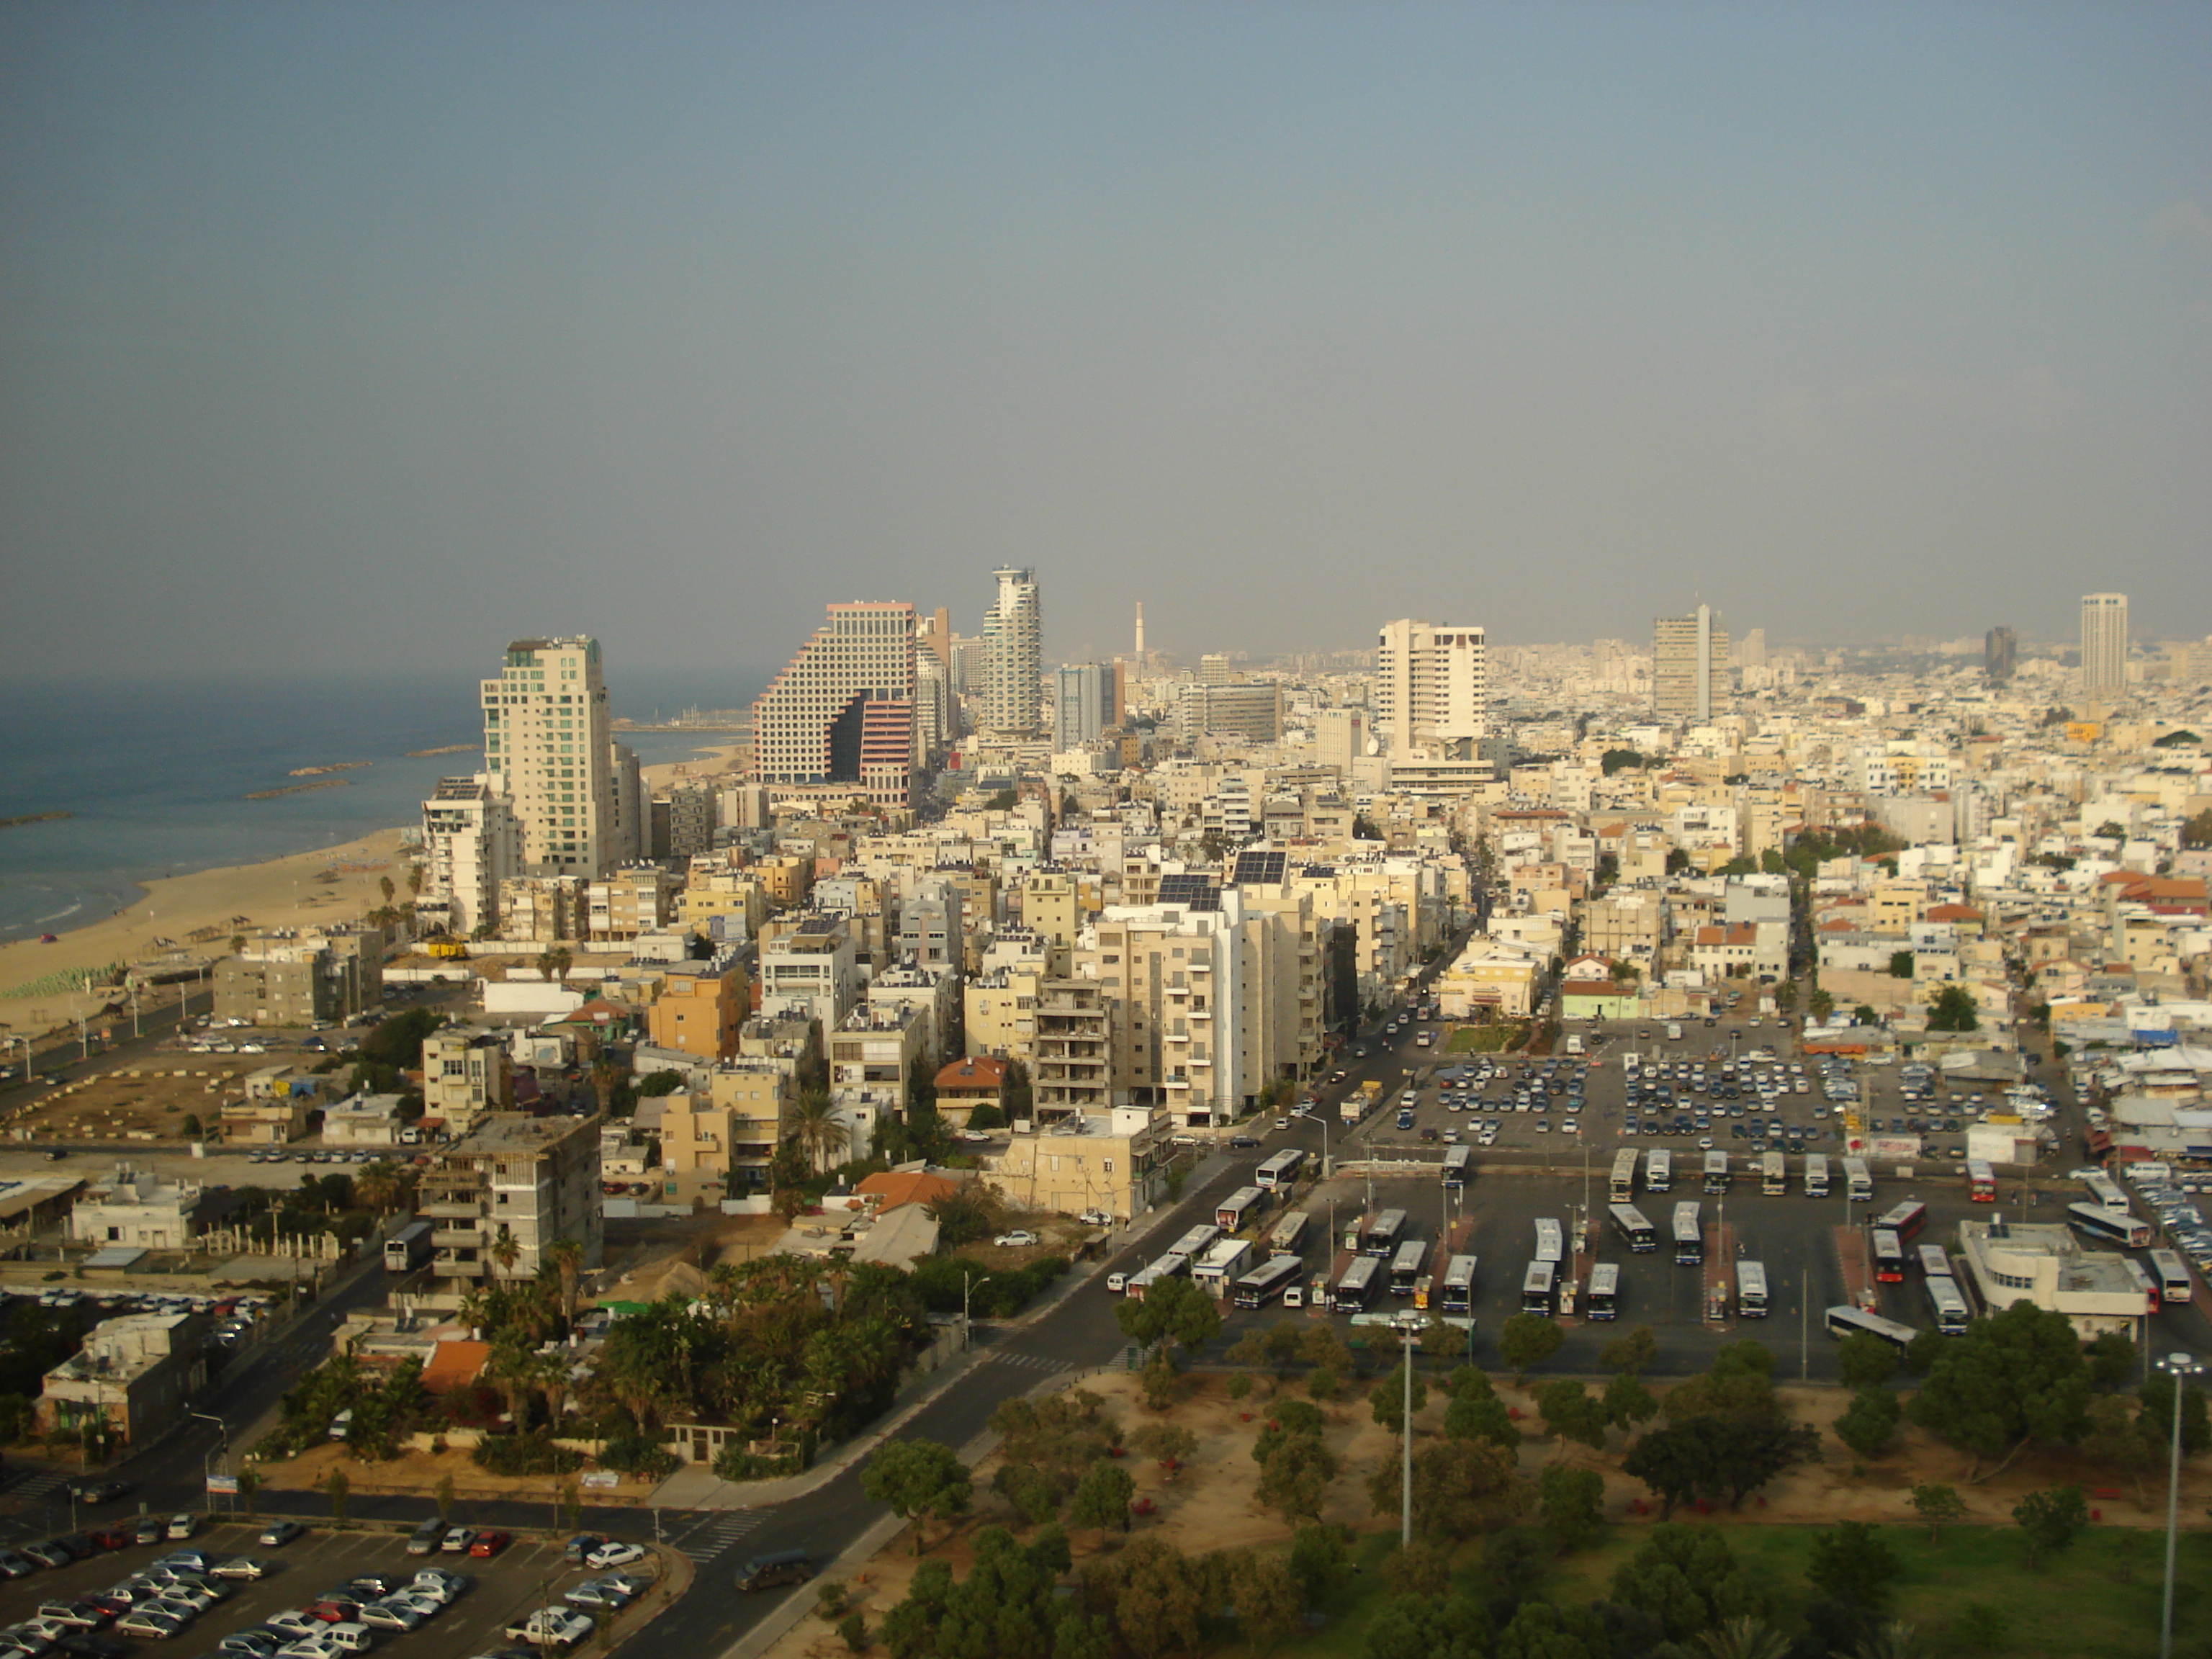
342	339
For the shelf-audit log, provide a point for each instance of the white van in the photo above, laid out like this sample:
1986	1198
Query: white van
1673	1031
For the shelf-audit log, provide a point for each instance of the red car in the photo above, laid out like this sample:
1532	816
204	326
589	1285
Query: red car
335	1612
114	1538
491	1543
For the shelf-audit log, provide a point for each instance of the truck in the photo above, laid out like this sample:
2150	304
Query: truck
1361	1101
552	1627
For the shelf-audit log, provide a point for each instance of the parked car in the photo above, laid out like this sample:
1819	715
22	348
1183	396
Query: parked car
582	1545
393	1615
1015	1240
613	1553
239	1566
783	1567
49	1552
249	1643
181	1525
16	1564
423	1540
154	1626
487	1544
458	1540
277	1534
99	1491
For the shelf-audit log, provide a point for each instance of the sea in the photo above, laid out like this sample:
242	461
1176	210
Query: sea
154	777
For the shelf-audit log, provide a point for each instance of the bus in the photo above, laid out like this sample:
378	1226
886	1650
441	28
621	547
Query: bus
1889	1257
2140	1276
1357	1288
1279	1171
1816	1176
1459	1285
1845	1319
1538	1286
1717	1172
1289	1236
1405	1267
1981	1180
1689	1235
1948	1307
1935	1261
2113	1226
1773	1175
1658	1170
1623	1185
1197	1241
1170	1265
2171	1273
1459	1164
1381	1238
2105	1193
1551	1240
1240	1209
1858	1181
1639	1235
1905	1221
408	1248
1750	1290
1268	1282
1604	1301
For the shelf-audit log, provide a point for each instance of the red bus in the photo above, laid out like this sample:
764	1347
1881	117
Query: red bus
1889	1257
1981	1180
1905	1221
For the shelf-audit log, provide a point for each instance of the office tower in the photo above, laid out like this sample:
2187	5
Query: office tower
1254	711
1013	637
1751	653
1079	702
936	721
1139	655
2104	644
1340	738
546	750
1213	670
1432	687
2000	655
1689	667
841	712
936	635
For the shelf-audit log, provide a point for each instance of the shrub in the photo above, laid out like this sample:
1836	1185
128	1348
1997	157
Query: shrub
637	1453
854	1632
524	1453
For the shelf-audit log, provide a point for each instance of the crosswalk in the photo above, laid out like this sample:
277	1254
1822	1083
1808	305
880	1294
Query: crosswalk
705	1543
1028	1361
35	1486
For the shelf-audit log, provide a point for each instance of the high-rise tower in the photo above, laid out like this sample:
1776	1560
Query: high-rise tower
2104	644
1432	688
2000	655
841	712
1013	641
546	750
1689	667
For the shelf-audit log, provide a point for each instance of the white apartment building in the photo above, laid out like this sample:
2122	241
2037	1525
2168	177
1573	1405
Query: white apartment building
546	750
2104	644
1013	640
842	710
470	843
1431	689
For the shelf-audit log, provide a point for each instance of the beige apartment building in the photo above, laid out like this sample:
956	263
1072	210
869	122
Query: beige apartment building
721	1140
466	1075
1072	1072
1114	1162
498	1196
638	898
298	976
699	1011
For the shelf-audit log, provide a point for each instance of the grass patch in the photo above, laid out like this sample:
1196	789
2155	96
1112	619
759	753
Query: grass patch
1482	1039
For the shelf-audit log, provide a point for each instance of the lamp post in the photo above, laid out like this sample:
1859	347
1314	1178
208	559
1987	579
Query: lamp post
1407	1326
2179	1368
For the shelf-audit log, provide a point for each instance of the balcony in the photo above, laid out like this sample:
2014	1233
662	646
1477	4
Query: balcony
471	1238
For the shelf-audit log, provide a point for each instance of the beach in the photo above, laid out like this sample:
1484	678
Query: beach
712	760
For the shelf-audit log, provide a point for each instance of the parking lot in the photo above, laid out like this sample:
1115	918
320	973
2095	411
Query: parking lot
526	1574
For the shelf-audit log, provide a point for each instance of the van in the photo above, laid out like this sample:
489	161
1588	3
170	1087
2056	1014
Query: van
341	1425
783	1567
423	1540
1673	1031
1294	1295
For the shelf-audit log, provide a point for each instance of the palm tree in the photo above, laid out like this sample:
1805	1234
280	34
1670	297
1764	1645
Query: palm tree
382	1186
567	1259
550	1377
1894	1639
506	1250
816	1127
1746	1638
511	1369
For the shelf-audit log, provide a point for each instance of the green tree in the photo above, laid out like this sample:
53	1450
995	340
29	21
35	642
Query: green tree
1172	1310
1716	1456
1016	1097
1900	965
1525	1341
1627	1404
1460	1488
1868	1425
918	1481
1514	1563
1165	1443
1154	1596
1294	1480
1387	1398
2116	1439
1632	1352
1939	1506
1542	1631
1745	1638
1419	1567
1864	1360
1321	1560
2050	1519
337	1489
2157	1418
1954	1010
1864	1014
1821	1007
1269	1601
2015	1379
1453	1627
1981	1628
1101	1498
1571	1414
1571	1504
1687	1580
2111	1360
1852	1564
1477	1413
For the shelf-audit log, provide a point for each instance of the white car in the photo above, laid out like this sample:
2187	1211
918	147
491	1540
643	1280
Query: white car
1014	1240
1095	1218
975	1134
1116	1283
613	1553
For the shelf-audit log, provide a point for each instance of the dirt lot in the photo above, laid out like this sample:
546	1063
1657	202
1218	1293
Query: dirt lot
147	1101
420	1471
1209	1505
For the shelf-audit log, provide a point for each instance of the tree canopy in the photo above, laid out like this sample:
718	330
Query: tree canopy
2013	1380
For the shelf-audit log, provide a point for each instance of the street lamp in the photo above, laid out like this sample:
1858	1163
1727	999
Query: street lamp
2179	1369
1408	1327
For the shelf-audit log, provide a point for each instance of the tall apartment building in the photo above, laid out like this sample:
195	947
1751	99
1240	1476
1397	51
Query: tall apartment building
1013	635
1340	738
1080	693
470	843
1432	688
1689	667
466	1075
842	710
546	750
2104	644
2000	655
498	1196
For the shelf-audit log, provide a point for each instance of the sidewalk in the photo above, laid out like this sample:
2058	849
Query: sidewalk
696	1486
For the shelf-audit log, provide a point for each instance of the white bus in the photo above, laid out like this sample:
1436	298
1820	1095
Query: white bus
1551	1240
1279	1171
1935	1261
1459	1285
1381	1238
1405	1267
1816	1176
1539	1288
408	1248
1289	1236
1949	1308
1459	1164
1689	1235
1716	1171
1858	1181
1264	1284
1240	1209
1622	1187
1197	1241
2105	1193
1639	1235
1773	1175
1168	1266
1750	1289
1357	1288
2113	1226
1604	1291
1844	1319
2171	1273
1658	1170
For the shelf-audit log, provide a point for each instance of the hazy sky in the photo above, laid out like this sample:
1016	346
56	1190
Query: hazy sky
372	334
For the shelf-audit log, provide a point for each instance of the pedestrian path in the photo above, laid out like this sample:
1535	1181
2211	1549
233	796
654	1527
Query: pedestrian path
34	1487
1031	1362
702	1544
